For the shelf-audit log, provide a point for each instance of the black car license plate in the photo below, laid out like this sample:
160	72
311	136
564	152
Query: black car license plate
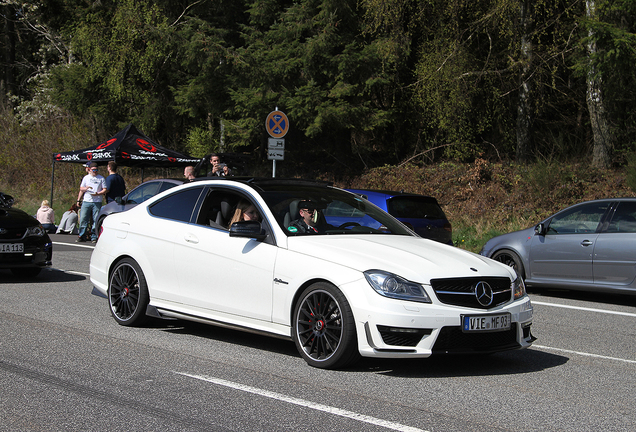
11	247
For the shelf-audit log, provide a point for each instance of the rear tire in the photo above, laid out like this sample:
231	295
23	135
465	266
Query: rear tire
98	225
128	293
324	329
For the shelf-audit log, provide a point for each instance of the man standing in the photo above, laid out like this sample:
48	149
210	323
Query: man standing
115	184
188	173
218	168
92	188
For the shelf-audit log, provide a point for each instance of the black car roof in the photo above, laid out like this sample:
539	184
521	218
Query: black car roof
268	183
390	193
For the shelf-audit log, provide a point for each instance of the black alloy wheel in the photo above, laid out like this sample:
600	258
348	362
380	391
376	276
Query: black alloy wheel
128	293
324	328
511	259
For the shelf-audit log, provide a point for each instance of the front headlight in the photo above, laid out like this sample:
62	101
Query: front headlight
519	288
36	231
393	286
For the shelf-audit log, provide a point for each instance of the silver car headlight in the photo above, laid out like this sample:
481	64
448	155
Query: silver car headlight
519	288
35	231
393	286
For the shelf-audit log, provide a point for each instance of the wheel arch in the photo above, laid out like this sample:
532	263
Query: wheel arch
116	262
522	258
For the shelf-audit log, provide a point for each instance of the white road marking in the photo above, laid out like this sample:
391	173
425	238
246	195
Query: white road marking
605	311
307	404
69	271
584	354
585	309
80	245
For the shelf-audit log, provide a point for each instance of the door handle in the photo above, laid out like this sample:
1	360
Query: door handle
191	238
587	243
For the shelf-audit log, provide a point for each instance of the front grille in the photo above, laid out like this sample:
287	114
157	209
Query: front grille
11	234
461	291
452	340
402	337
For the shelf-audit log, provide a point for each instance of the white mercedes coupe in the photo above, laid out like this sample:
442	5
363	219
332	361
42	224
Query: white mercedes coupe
308	262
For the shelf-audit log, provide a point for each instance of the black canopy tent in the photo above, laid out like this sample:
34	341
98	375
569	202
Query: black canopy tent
129	147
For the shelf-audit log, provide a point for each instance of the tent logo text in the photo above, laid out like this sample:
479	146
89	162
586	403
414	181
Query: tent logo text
67	158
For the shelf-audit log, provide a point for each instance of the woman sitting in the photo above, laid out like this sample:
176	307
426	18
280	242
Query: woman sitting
245	211
46	216
68	224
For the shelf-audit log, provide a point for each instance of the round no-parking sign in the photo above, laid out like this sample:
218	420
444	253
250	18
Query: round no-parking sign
277	124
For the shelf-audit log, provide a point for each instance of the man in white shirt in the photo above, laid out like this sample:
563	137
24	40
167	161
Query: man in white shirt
92	189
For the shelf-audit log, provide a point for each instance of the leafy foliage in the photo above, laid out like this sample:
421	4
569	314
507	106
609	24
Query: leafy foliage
363	82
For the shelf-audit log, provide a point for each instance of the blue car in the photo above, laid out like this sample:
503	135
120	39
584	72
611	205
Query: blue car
420	213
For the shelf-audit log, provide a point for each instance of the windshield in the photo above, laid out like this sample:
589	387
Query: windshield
305	210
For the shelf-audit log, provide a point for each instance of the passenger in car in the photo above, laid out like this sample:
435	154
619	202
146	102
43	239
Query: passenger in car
245	211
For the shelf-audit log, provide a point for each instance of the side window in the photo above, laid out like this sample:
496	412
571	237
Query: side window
217	209
178	206
415	207
624	220
222	207
579	220
165	186
143	192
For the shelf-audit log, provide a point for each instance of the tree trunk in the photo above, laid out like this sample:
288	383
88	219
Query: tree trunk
603	142
525	112
9	49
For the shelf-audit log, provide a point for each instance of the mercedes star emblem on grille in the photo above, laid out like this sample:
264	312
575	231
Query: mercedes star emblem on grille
484	294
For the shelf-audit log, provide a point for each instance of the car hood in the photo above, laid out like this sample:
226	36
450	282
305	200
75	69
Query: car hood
413	258
11	218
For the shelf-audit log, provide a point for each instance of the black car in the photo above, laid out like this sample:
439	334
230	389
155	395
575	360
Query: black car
25	247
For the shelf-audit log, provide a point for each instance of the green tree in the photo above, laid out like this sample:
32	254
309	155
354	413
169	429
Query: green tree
309	59
608	53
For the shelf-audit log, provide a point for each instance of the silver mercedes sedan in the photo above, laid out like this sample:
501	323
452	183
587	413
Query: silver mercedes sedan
588	246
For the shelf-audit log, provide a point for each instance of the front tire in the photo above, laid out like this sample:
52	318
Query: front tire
324	329
511	259
128	293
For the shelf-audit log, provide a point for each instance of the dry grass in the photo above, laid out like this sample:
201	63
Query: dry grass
484	199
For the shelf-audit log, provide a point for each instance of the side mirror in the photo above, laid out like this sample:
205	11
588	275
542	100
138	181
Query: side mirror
248	229
119	200
540	229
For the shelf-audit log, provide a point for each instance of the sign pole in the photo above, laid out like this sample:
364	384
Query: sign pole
277	126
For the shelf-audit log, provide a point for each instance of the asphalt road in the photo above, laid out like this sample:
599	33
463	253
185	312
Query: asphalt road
66	365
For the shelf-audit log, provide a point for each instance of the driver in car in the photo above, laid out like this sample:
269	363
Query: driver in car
310	221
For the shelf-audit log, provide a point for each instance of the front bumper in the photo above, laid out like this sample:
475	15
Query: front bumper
34	255
393	328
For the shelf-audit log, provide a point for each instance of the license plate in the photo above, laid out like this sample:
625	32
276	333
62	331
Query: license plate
485	323
11	247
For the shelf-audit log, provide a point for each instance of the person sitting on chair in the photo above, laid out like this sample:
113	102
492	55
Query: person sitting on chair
245	211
